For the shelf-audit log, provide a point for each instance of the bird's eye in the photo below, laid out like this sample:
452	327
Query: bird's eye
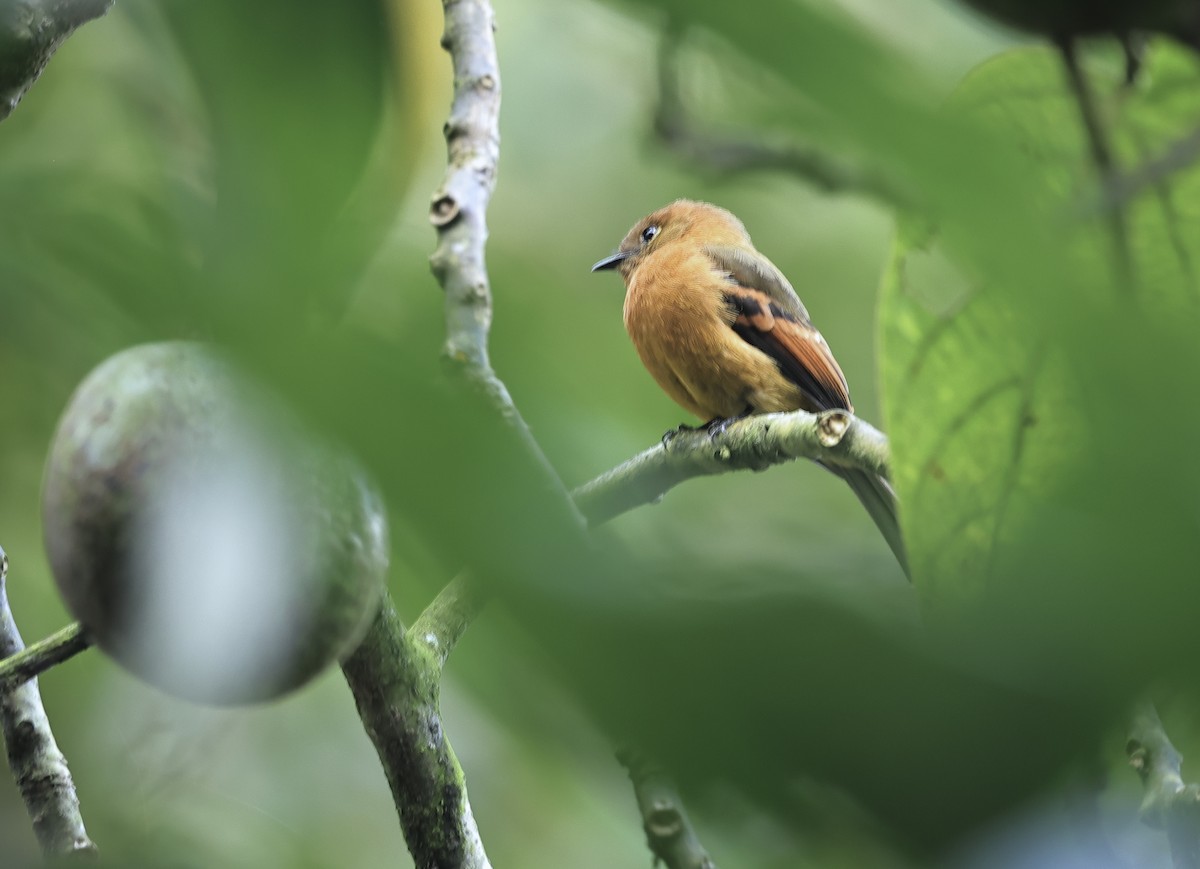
648	233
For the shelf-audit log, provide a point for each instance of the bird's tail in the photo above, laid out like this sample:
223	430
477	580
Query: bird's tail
878	496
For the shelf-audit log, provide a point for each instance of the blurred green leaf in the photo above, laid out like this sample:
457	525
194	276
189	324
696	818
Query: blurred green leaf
294	105
980	416
983	404
786	682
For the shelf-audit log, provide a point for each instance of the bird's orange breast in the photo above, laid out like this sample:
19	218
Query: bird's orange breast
681	325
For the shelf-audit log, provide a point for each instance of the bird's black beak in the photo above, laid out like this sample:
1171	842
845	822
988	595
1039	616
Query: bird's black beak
611	262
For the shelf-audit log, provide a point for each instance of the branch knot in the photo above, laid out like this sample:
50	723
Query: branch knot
832	427
444	210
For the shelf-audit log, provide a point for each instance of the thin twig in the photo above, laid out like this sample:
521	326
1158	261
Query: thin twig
754	443
669	834
36	659
445	620
38	766
1169	804
395	680
723	154
1106	167
30	32
1123	189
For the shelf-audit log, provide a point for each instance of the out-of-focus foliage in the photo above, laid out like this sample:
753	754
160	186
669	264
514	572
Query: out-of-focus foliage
1014	415
1059	19
205	170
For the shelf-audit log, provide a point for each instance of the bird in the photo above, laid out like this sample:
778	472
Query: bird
722	331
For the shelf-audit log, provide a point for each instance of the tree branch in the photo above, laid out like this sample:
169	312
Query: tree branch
669	834
725	155
32	661
1168	804
459	209
38	766
30	32
395	679
395	675
757	442
447	618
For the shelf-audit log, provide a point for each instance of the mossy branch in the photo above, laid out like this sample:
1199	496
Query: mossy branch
39	768
447	618
395	679
31	661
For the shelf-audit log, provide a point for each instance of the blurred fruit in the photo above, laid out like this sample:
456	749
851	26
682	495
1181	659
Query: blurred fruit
203	539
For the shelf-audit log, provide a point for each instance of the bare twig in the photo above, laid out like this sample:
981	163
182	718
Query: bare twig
459	207
1169	804
723	154
30	32
669	834
395	679
754	443
1106	167
38	766
459	210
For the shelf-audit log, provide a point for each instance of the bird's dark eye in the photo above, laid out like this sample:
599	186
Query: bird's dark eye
648	233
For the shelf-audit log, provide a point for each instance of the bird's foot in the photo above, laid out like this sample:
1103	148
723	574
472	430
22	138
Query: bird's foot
670	434
717	426
713	427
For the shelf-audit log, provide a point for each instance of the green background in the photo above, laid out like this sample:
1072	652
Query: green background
211	173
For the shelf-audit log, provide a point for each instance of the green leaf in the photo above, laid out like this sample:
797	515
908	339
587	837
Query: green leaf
294	104
973	416
998	393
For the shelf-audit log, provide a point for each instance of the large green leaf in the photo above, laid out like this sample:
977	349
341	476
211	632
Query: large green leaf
975	408
999	394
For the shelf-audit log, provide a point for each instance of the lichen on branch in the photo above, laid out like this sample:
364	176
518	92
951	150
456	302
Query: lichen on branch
755	443
38	766
395	679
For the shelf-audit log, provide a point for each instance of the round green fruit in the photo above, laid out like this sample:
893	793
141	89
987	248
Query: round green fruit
200	535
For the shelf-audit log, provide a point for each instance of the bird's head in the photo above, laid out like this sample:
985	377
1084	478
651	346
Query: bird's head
682	220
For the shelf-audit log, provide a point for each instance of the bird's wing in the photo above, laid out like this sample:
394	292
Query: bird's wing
751	269
797	348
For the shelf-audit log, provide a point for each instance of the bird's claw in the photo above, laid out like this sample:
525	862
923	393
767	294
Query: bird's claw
717	427
670	434
713	428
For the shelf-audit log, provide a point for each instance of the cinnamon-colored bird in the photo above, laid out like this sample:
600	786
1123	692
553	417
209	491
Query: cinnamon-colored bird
725	335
